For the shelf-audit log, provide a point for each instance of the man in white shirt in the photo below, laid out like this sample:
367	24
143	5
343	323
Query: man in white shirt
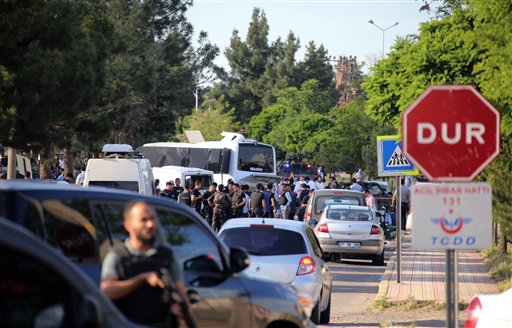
355	186
80	177
318	183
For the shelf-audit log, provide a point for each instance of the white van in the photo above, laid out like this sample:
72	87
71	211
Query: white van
185	174
120	168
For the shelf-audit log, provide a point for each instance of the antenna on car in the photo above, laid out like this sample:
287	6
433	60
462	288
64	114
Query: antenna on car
262	220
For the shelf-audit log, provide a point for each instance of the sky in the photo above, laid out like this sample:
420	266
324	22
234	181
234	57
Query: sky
340	25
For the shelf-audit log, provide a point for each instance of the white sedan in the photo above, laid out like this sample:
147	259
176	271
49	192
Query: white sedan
286	251
492	310
351	231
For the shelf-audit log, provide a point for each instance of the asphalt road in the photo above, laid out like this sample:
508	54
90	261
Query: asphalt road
354	288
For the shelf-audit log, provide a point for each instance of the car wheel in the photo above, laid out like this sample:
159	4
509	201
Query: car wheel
378	259
325	315
335	257
315	314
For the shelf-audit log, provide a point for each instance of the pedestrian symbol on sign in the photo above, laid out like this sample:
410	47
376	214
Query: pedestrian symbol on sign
398	159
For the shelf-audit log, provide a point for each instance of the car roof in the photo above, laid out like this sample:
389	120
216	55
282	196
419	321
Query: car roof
337	191
277	223
92	192
352	207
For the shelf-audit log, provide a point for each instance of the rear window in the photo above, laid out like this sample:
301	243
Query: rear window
265	241
322	201
123	185
349	215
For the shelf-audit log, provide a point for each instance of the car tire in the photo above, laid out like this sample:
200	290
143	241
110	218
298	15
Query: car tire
335	257
315	314
378	259
325	315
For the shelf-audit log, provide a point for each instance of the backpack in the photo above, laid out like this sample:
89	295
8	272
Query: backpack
282	199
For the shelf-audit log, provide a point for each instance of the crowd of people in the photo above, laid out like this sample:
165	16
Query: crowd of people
284	199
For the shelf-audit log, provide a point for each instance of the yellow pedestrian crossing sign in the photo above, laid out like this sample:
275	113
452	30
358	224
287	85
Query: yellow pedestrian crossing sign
391	160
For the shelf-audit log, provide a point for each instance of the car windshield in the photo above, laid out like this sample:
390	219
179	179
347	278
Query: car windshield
349	214
322	201
265	241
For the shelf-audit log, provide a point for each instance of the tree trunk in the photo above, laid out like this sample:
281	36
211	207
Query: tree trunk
44	167
11	163
69	158
504	243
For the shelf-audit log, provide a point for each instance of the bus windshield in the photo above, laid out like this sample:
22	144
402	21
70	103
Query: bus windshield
255	158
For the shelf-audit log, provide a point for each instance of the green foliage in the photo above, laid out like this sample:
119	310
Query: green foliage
260	71
153	70
499	265
298	136
51	69
465	45
211	122
294	121
440	54
353	130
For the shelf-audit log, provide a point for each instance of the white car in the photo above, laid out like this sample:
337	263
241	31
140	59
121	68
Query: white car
491	310
351	231
286	251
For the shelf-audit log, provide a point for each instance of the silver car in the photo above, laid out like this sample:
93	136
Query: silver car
351	231
286	251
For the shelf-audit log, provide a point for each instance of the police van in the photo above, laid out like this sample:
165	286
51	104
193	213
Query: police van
120	167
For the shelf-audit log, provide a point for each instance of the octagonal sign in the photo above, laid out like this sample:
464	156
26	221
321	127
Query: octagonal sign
451	133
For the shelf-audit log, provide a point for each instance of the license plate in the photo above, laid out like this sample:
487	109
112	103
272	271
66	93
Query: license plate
349	245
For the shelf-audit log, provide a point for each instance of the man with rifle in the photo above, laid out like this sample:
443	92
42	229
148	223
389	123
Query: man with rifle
143	278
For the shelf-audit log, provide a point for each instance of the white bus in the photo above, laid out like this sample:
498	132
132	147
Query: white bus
235	157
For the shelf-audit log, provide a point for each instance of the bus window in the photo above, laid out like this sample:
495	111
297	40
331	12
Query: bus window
255	158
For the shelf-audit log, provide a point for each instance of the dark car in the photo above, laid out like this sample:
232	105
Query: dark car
84	223
376	189
41	288
298	170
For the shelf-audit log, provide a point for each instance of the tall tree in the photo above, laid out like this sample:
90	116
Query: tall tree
51	61
154	69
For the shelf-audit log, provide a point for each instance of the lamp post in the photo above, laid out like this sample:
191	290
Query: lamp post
383	30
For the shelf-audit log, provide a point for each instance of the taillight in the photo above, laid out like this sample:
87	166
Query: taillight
323	228
473	313
306	266
376	230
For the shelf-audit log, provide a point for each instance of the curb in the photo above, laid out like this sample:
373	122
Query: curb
386	277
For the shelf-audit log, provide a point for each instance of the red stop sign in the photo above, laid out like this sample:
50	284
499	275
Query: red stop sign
451	133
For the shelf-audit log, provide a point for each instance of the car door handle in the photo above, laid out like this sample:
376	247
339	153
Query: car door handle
193	296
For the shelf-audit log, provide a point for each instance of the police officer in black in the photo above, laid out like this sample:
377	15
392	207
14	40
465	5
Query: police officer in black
257	203
130	271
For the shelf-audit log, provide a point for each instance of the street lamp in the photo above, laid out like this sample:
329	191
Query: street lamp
383	30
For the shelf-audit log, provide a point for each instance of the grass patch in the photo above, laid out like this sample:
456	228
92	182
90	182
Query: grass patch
499	265
407	305
381	304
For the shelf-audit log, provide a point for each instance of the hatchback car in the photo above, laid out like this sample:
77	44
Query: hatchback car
41	288
321	198
286	251
351	231
84	223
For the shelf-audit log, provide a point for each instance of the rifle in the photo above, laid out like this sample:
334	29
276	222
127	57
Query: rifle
171	295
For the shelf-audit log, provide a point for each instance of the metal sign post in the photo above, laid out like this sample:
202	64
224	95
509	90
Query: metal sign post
452	293
391	162
398	229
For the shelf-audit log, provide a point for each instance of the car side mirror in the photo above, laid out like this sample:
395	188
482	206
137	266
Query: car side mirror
312	222
238	259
